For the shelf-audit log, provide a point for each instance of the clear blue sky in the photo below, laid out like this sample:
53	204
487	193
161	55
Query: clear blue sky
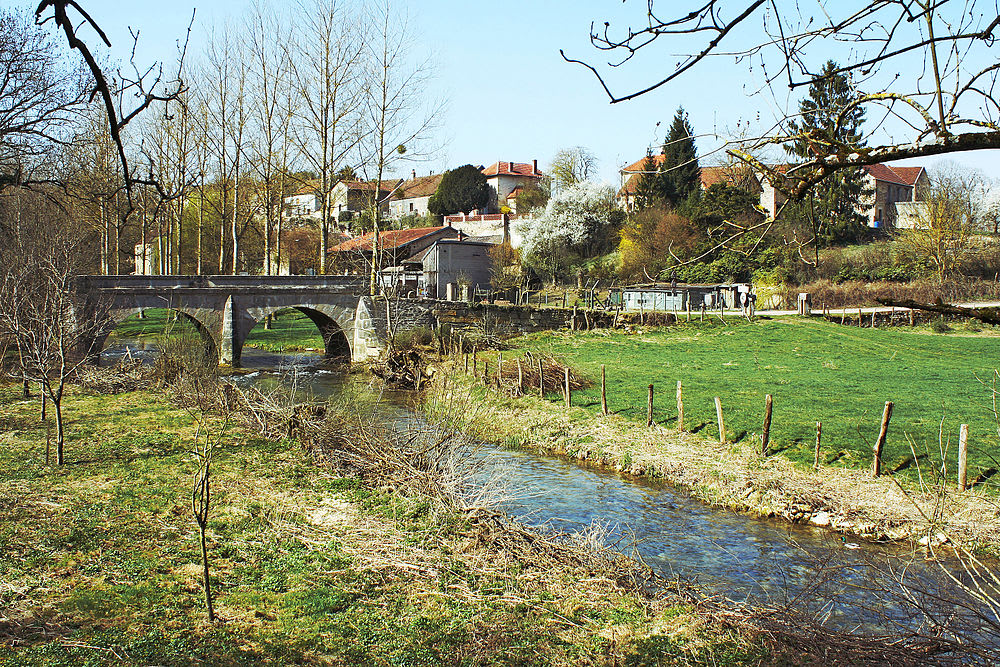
510	96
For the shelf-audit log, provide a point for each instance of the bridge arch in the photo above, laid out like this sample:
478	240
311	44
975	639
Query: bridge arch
117	315
335	325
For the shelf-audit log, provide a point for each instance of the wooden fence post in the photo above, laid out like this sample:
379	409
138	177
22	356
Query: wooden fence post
499	370
680	406
880	443
486	373
963	457
520	377
766	432
604	392
819	435
475	361
541	381
649	407
722	424
859	317
566	389
465	356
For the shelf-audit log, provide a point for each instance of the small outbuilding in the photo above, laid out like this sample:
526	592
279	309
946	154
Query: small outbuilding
665	297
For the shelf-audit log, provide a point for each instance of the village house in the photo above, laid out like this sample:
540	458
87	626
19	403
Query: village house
395	246
412	196
890	185
734	175
886	184
508	180
348	199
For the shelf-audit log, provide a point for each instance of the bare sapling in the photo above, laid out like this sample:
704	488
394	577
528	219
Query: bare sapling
201	495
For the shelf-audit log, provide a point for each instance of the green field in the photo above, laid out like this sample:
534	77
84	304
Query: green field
815	370
290	331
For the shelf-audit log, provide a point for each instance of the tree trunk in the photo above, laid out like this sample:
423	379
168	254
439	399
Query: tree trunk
60	433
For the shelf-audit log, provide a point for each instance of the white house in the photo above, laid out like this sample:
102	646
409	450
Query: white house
507	177
412	196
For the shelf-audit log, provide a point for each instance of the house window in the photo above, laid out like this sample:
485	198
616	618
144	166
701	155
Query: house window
411	207
878	215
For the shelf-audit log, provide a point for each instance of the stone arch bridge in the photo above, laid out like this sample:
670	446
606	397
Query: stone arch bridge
225	308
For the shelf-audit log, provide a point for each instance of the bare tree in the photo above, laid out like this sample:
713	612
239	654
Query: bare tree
48	318
930	68
325	63
270	83
147	85
947	225
396	120
571	166
43	94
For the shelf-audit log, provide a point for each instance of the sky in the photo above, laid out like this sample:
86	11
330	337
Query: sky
508	94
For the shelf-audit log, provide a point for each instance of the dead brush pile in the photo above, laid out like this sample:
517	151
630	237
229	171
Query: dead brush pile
127	375
520	375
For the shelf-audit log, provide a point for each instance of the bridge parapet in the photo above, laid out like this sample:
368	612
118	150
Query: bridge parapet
131	282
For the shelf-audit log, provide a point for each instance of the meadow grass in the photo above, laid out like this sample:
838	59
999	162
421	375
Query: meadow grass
290	331
99	562
816	371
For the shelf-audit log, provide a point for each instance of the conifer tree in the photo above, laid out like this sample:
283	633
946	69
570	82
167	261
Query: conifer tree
646	187
680	175
826	128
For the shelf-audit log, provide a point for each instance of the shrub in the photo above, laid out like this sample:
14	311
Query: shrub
940	326
409	339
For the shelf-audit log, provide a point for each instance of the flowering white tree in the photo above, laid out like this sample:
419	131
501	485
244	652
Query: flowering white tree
577	223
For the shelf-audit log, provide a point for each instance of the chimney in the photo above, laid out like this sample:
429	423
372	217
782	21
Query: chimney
534	166
461	235
414	173
510	167
447	219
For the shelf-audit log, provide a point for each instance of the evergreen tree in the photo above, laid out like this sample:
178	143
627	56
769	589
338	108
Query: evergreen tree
461	190
680	175
646	188
826	129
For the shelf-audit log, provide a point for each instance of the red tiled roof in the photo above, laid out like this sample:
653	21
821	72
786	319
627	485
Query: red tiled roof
515	192
421	186
641	164
899	175
908	174
388	239
504	169
370	185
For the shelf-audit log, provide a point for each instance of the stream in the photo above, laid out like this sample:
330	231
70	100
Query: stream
846	586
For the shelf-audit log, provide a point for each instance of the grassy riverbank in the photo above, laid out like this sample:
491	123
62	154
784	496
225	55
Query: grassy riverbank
290	331
841	495
816	371
99	563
